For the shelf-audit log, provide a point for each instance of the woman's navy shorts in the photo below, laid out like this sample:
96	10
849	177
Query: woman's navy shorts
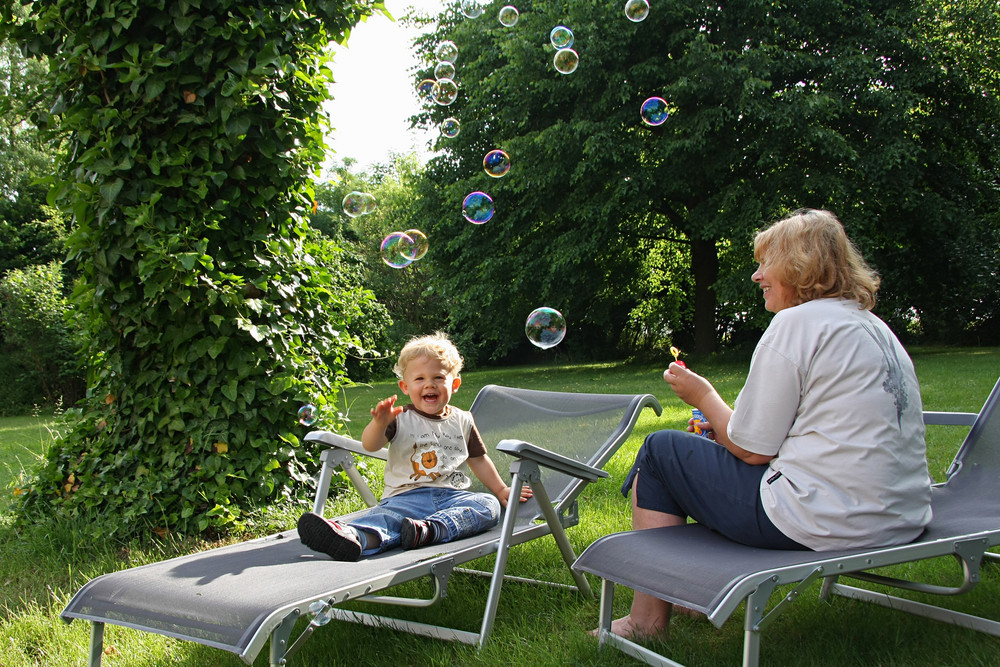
691	476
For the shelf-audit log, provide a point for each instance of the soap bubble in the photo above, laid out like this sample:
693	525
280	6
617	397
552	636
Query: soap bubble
561	37
450	127
545	327
446	51
636	10
478	207
566	61
444	70
472	9
420	244
445	92
508	16
425	89
654	111
397	250
308	414
358	203
496	163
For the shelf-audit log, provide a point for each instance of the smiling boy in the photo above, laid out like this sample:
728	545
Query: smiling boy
432	444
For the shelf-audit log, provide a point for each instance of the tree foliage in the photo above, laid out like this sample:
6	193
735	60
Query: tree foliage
213	311
641	234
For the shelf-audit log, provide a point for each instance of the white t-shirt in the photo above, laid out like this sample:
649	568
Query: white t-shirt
832	394
429	451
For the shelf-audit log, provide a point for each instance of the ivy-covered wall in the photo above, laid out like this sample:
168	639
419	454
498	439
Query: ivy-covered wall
212	310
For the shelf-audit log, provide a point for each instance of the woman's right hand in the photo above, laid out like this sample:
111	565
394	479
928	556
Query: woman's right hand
688	385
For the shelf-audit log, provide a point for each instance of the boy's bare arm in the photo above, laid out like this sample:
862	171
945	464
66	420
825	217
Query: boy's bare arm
385	411
483	468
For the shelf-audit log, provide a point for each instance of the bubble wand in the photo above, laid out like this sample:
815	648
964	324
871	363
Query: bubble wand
677	353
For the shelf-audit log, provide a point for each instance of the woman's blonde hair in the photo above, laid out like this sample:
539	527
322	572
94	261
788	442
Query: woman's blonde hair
435	346
809	252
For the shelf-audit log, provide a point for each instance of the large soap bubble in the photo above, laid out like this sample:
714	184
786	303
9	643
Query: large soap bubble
444	70
508	16
636	10
478	207
472	9
397	250
450	127
561	37
357	203
425	90
545	327
445	92
420	244
654	111
308	414
566	61
446	51
496	163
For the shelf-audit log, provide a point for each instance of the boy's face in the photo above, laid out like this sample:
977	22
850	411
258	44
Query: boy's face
428	384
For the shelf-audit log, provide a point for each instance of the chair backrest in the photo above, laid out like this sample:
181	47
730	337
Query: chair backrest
981	447
588	428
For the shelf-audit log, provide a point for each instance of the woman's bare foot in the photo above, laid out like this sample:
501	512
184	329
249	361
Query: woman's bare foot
684	611
627	628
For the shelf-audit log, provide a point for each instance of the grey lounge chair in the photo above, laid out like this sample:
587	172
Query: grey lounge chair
238	597
699	569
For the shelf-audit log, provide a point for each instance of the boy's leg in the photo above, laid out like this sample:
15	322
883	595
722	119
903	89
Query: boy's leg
464	513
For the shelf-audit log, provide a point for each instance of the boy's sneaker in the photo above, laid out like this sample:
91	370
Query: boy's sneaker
417	533
336	540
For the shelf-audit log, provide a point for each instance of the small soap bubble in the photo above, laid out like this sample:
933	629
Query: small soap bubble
397	250
654	111
561	37
508	16
450	127
445	92
425	90
446	51
472	9
444	70
636	10
496	163
308	414
420	244
478	207
317	607
545	327
354	204
565	61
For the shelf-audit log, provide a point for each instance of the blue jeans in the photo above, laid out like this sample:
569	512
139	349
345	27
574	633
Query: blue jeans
462	513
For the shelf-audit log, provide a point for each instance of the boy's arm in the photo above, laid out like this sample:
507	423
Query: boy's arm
373	437
483	468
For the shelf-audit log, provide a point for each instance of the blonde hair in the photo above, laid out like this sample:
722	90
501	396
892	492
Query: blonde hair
435	346
809	252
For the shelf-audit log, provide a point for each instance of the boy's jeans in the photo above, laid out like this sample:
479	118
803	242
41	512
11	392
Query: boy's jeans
463	513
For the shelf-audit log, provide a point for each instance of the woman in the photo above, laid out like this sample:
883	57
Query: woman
824	448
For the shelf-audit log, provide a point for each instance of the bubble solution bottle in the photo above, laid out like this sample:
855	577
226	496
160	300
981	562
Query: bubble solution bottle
698	419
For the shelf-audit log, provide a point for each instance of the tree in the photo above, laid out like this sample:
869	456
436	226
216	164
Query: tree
772	107
192	129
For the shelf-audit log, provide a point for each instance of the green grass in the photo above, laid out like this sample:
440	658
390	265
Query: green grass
39	570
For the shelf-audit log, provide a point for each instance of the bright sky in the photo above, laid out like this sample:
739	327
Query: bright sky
374	92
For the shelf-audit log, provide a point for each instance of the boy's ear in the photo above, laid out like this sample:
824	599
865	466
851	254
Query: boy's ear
455	384
402	386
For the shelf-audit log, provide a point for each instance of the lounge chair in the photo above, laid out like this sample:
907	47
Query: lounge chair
699	569
238	597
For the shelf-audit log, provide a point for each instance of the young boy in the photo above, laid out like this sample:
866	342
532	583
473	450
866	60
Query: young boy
425	501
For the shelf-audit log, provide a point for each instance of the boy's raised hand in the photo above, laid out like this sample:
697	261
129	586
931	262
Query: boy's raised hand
385	411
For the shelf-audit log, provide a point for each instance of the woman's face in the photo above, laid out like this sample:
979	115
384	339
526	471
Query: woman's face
777	295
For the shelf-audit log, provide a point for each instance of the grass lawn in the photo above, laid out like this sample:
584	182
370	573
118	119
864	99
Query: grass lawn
539	626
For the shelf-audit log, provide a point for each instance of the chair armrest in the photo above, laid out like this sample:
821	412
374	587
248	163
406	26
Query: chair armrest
343	442
563	464
950	418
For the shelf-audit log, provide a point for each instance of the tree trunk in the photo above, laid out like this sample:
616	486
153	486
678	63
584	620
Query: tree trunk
705	266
